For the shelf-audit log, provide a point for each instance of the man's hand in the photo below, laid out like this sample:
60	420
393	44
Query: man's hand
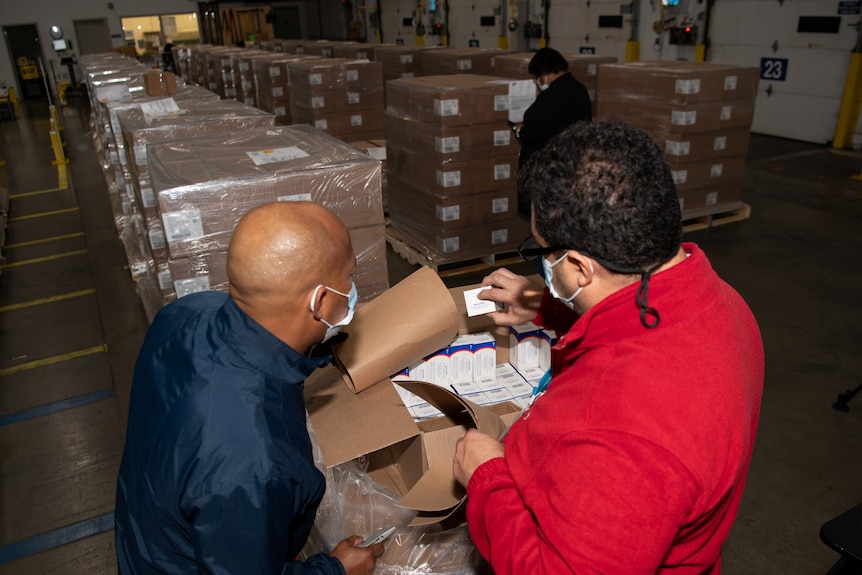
473	450
357	560
520	296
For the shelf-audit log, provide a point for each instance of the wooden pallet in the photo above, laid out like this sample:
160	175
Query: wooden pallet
723	215
446	267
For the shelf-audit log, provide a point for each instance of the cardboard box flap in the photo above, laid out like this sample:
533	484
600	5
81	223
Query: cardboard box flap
435	492
348	425
413	319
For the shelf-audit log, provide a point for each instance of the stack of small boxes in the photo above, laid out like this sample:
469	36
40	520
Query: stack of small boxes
468	366
451	161
584	67
219	71
342	97
400	62
272	84
243	72
699	113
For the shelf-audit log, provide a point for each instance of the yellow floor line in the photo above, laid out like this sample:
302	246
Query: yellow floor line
62	185
43	240
53	359
42	215
40	260
45	300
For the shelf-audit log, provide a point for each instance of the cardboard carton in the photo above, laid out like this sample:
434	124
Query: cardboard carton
654	116
455	100
709	173
710	200
459	61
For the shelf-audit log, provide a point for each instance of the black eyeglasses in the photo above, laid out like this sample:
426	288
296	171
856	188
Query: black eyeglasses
530	250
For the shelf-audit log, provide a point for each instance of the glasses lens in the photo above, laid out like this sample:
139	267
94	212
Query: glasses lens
528	249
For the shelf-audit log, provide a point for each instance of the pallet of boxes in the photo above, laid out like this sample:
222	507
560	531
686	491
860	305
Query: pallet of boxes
700	114
452	162
406	385
272	84
204	185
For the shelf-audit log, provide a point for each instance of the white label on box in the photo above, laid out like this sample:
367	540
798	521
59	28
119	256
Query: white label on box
157	239
406	58
502	171
352	97
361	55
246	85
230	93
502	137
691	86
679	176
183	225
113	92
243	66
449	245
715	170
321	124
318	102
130	192
406	75
478	398
166	281
711	198
448	145
315	79
465	388
228	76
448	213
499	237
225	62
276	155
213	87
519	388
277	92
592	69
148	198
274	72
295	198
720	143
140	154
280	111
463	64
683	117
501	103
498	395
726	112
327	52
378	153
446	107
499	205
449	179
677	148
192	285
159	108
356	120
729	83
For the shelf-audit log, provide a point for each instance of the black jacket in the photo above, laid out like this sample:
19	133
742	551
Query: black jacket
565	102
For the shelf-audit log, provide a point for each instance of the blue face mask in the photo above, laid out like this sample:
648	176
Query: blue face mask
333	329
549	281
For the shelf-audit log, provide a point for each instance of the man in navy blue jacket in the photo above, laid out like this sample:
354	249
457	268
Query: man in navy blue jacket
217	474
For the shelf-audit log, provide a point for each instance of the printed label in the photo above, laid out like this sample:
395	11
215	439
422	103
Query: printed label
352	75
352	97
683	117
449	145
499	205
592	69
318	102
730	83
448	213
691	86
720	143
192	285
679	176
148	198
166	281
315	79
446	107
502	137
249	101
280	111
246	85
157	239
677	148
449	245
449	179
274	71
502	171
499	237
711	198
230	93
183	225
726	112
356	120
406	58
362	55
277	92
501	103
295	198
276	155
406	75
715	170
140	154
243	67
464	64
166	107
321	124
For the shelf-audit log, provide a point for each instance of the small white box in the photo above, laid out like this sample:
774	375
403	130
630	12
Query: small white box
460	353
525	344
476	306
532	375
466	388
549	339
424	411
499	395
519	388
437	368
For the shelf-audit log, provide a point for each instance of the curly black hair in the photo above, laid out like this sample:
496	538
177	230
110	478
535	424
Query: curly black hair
605	189
547	61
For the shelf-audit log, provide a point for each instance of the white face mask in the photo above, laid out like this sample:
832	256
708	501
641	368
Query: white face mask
549	281
542	87
333	329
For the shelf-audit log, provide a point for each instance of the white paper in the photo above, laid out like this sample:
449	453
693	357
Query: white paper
277	155
476	306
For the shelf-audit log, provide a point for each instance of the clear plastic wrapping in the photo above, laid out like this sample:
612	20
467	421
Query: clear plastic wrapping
271	84
654	116
205	185
459	61
400	61
455	100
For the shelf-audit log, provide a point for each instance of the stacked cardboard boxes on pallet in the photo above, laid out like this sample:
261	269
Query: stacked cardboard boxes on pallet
354	51
243	71
452	162
272	84
377	150
206	184
400	62
699	113
584	67
459	61
343	98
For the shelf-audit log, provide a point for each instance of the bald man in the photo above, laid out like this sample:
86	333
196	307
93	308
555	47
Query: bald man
217	474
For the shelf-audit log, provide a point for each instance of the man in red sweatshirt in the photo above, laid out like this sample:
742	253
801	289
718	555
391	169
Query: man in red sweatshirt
632	460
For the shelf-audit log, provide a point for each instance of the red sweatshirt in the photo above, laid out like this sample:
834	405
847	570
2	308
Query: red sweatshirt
634	460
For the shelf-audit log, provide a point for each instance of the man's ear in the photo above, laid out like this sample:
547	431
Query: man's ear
585	265
315	300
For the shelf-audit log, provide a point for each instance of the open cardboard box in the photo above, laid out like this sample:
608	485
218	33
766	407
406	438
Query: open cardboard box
352	419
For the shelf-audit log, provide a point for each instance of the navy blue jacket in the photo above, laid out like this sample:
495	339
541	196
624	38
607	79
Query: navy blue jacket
217	474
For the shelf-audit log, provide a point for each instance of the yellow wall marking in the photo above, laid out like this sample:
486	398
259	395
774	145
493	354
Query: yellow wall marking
45	259
53	359
43	241
45	300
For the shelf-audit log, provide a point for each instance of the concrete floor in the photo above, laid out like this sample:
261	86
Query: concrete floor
796	261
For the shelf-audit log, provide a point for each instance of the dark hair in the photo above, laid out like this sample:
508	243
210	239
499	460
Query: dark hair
547	61
604	188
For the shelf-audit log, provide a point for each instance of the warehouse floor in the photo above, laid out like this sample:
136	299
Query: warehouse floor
71	323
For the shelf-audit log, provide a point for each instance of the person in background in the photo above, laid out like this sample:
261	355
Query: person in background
217	475
633	454
561	102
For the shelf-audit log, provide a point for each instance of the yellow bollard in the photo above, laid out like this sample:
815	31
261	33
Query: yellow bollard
55	118
57	145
